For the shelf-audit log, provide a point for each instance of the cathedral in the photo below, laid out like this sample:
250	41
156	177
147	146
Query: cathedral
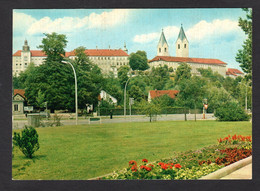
182	55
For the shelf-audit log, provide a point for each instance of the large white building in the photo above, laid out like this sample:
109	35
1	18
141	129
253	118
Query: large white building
182	55
109	60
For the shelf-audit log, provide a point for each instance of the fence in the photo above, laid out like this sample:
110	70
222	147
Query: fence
136	111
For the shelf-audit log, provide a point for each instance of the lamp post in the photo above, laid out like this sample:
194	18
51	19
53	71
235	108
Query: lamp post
76	90
125	98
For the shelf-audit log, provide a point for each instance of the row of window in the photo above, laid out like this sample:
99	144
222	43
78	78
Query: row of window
179	46
165	50
108	58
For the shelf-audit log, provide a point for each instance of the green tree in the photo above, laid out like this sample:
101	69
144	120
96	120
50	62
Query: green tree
136	93
123	75
159	77
56	80
54	46
183	72
244	56
231	111
149	109
192	92
89	78
40	99
27	141
138	60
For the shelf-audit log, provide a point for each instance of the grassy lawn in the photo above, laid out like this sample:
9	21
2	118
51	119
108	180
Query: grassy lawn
86	151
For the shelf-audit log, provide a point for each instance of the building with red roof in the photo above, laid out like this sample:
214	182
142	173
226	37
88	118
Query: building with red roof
109	60
157	93
233	73
182	56
18	102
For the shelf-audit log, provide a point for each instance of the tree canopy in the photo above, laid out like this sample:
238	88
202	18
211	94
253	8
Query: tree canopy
244	56
138	60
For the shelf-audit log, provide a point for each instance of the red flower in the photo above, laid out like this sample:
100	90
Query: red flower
177	166
134	168
142	167
160	163
164	166
144	160
148	168
132	162
150	165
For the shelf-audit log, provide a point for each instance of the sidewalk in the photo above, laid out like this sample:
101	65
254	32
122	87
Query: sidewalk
242	173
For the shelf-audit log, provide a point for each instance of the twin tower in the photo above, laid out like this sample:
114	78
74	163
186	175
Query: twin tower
182	45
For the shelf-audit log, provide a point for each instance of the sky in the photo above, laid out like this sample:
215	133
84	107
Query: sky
212	33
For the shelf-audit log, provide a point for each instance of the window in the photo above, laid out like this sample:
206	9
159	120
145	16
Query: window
178	46
25	58
159	49
25	64
16	107
184	45
165	49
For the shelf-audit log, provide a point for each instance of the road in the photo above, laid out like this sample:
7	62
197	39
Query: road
19	124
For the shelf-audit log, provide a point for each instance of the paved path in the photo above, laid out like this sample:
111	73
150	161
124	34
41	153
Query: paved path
242	173
18	124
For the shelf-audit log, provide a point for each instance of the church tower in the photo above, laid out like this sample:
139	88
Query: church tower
182	45
25	56
162	47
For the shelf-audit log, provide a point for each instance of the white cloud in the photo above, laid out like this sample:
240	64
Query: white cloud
169	32
145	38
70	24
198	32
21	21
216	28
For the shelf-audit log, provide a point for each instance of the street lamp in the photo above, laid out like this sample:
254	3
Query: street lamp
76	90
125	97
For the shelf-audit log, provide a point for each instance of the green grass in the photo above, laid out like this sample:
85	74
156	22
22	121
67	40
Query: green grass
86	151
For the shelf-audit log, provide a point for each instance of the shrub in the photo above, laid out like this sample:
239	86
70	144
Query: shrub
27	142
231	111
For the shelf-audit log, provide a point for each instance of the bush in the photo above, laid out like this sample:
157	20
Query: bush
231	111
27	141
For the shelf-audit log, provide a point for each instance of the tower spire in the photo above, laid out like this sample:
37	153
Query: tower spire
182	44
162	47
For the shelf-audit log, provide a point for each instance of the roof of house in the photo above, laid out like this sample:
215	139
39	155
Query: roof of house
34	53
21	92
89	52
233	71
162	40
182	35
188	60
100	52
158	93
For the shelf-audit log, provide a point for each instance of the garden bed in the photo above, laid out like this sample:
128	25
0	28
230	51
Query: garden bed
190	164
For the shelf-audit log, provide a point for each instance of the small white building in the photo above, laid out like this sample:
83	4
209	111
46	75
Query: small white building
18	101
107	97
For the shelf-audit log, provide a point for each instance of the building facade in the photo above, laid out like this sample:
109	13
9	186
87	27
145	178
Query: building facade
109	60
182	55
18	101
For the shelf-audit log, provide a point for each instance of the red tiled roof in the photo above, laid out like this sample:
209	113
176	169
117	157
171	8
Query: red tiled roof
20	92
34	53
188	60
158	93
89	52
100	52
235	71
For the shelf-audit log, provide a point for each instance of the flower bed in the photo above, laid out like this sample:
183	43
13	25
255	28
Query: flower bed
190	164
